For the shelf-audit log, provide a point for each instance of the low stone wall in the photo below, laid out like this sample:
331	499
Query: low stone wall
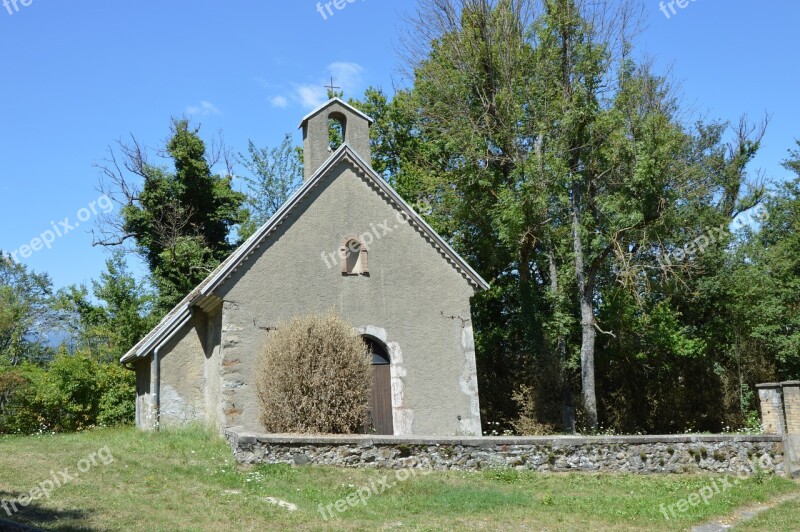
622	454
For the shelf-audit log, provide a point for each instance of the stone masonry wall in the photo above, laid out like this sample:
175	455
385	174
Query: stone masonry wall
791	404
622	454
771	399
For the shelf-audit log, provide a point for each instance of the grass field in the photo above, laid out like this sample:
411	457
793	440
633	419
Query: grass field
784	517
188	481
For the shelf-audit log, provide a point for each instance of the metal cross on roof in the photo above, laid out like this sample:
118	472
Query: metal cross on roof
331	87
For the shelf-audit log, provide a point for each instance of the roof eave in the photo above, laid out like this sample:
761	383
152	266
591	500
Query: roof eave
163	335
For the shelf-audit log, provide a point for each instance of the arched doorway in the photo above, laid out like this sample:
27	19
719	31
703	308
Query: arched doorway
380	404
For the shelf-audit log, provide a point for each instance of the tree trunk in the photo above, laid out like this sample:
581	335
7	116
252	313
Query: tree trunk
585	284
526	293
587	355
567	409
561	346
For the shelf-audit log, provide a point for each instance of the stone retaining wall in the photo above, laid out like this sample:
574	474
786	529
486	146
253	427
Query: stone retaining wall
623	454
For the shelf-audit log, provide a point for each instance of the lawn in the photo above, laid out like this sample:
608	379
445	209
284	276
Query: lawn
784	517
188	480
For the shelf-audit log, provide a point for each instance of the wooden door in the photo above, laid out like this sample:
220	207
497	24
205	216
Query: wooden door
380	405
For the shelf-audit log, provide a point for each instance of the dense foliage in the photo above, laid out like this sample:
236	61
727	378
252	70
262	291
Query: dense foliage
640	275
72	393
79	383
180	220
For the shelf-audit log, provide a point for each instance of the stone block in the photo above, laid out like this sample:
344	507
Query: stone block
771	398
791	405
791	400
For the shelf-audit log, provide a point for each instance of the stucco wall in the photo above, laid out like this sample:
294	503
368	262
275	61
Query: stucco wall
190	377
412	293
182	361
145	414
213	370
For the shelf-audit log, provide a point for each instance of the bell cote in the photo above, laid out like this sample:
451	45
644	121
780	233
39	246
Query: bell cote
347	122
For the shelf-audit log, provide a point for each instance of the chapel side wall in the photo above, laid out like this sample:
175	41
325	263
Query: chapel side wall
182	375
145	413
213	371
412	292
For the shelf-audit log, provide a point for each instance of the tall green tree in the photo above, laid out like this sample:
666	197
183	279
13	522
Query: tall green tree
26	314
180	220
767	287
118	315
563	171
275	174
394	135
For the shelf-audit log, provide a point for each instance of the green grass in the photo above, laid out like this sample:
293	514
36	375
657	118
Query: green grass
188	480
783	517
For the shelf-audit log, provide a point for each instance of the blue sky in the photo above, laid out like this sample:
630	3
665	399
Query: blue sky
78	75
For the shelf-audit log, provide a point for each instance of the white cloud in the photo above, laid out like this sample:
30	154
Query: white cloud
348	76
279	102
204	109
310	96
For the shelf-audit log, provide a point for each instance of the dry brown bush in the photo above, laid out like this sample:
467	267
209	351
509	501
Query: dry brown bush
527	424
315	376
540	400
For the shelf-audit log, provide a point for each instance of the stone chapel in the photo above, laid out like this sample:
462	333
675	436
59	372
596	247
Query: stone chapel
344	240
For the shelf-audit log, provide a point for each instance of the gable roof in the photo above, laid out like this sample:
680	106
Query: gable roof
331	102
203	296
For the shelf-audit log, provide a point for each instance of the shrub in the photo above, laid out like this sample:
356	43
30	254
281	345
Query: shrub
12	383
540	399
315	376
20	413
71	394
118	403
527	423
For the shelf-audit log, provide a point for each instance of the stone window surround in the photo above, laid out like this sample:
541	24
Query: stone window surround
402	416
363	259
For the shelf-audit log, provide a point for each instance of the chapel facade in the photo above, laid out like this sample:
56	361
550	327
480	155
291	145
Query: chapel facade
344	241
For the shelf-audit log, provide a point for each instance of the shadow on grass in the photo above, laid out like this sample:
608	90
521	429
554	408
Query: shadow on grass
28	518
